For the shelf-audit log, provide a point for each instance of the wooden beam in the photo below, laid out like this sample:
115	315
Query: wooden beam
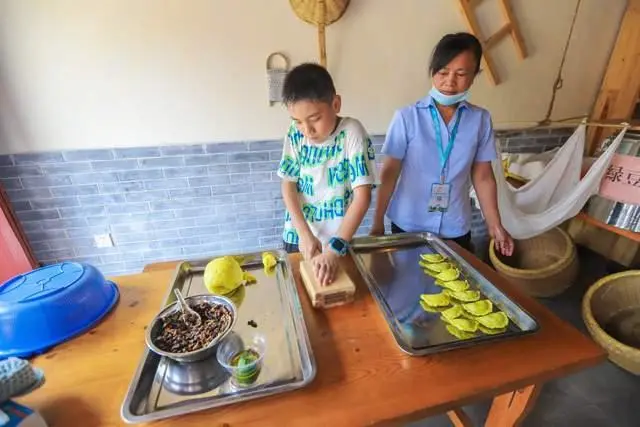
618	94
497	36
509	28
487	63
505	5
459	418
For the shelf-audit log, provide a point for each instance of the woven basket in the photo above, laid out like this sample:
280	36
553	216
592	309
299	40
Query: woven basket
613	303
542	266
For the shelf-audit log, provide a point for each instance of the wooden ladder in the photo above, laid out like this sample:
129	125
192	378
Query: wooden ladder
509	28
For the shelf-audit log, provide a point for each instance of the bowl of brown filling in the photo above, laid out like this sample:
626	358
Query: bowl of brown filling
169	335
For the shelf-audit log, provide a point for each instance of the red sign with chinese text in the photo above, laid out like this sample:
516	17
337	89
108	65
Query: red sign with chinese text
621	183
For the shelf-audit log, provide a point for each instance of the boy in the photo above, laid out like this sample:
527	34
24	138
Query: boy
327	170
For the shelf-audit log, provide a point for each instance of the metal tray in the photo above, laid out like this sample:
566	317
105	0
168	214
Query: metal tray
163	388
389	266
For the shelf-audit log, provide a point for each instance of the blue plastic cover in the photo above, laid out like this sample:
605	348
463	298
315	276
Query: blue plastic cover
51	304
40	283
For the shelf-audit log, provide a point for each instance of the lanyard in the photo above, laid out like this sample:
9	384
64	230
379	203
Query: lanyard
444	154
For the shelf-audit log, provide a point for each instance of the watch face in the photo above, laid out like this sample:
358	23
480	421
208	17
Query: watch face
338	245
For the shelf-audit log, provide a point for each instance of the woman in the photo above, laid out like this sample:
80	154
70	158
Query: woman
435	148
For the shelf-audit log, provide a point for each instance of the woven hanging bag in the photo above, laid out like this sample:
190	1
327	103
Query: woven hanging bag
275	77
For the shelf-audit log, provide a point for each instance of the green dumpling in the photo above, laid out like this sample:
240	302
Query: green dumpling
479	308
436	300
463	335
437	267
464	296
456	285
432	258
452	313
497	320
430	273
464	324
428	308
490	331
448	275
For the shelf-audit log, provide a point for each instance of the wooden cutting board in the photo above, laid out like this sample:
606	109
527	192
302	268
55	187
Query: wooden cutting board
340	292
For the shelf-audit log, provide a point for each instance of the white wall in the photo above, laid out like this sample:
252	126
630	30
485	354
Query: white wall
89	73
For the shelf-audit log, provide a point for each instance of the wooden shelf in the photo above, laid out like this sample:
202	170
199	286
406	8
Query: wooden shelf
631	235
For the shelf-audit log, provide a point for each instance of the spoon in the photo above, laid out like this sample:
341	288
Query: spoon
189	316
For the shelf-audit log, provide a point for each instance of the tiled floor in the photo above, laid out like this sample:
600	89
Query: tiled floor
603	396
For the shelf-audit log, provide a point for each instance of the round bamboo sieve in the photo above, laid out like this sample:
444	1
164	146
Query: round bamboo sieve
320	13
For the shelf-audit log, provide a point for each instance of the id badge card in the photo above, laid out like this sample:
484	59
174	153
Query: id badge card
439	201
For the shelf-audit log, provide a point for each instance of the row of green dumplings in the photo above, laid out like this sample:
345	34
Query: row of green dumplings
460	307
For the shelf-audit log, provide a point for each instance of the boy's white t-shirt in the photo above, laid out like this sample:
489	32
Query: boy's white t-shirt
326	174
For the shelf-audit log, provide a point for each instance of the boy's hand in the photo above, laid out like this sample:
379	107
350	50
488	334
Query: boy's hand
309	246
325	266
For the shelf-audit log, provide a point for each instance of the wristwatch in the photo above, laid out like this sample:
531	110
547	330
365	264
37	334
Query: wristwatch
339	246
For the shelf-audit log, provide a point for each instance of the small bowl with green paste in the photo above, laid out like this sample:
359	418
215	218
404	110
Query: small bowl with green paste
242	358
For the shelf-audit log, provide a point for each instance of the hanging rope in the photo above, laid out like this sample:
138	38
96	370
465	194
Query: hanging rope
558	82
562	123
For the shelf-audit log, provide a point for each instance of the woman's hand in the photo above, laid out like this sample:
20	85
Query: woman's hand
485	184
325	266
389	174
502	239
309	246
377	229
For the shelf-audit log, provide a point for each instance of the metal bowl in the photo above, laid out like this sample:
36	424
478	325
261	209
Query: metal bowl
188	379
207	351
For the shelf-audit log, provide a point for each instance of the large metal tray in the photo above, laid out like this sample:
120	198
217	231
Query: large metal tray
389	266
163	388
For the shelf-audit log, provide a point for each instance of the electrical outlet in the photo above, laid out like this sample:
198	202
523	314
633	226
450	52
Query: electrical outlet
103	240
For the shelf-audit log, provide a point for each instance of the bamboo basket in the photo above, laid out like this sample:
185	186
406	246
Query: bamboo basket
542	266
607	299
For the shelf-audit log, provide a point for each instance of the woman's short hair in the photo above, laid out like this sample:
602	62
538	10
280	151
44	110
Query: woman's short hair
453	45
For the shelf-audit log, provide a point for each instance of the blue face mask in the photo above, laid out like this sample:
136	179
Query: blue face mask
447	100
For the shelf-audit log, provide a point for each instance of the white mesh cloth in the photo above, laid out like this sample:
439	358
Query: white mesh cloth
556	194
17	378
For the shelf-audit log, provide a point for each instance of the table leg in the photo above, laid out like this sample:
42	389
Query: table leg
510	409
459	418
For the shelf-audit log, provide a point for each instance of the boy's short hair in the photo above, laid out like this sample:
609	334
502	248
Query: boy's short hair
308	82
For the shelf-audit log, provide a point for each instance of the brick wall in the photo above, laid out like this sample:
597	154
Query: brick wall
169	202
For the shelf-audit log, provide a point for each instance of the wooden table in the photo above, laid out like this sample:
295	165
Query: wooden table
363	378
